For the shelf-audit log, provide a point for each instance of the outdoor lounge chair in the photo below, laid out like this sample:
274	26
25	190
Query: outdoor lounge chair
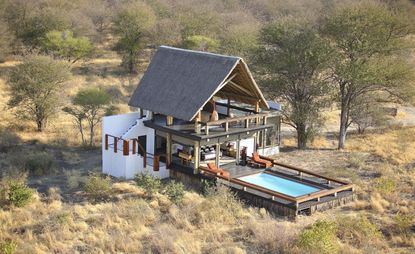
258	160
218	171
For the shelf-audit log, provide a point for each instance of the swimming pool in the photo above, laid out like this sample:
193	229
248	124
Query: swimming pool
279	184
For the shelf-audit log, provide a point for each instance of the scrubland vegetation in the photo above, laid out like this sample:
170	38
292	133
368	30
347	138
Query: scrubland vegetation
88	57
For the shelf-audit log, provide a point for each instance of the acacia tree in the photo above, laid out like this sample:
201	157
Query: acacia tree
369	39
89	104
64	45
292	58
35	86
131	24
199	42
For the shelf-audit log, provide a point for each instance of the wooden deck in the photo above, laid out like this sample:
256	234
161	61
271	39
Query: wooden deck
187	129
332	192
239	170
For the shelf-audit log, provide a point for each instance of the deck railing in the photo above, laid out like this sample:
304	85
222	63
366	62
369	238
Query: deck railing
257	119
345	186
133	146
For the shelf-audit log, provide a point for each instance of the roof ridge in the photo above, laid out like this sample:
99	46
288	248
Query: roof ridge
199	52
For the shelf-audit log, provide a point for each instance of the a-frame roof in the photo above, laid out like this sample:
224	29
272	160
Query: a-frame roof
180	82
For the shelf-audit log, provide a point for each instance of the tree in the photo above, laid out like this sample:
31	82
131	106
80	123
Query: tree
199	42
369	39
366	112
35	86
131	24
65	45
89	104
291	59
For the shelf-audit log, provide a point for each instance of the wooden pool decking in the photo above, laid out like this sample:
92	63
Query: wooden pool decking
333	192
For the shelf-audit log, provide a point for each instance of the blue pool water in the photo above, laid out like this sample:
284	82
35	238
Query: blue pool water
278	184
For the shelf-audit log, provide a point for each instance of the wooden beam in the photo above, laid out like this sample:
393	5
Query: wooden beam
238	153
156	163
169	120
196	157
134	146
228	109
126	148
198	118
238	97
227	81
168	149
239	87
257	111
217	151
106	141
115	144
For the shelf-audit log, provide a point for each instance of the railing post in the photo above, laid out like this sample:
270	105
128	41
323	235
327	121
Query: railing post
126	148
115	144
106	141
145	160
226	126
198	118
134	146
207	129
156	163
246	123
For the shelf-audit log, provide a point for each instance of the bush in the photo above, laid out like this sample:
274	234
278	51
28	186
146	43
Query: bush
19	194
149	183
175	192
403	223
8	247
40	163
385	185
320	237
357	231
97	186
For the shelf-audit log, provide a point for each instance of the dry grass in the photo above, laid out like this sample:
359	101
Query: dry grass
396	145
133	224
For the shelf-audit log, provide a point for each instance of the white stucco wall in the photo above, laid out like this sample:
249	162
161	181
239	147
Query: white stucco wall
118	165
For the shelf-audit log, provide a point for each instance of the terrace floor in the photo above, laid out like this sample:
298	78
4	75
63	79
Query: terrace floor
238	170
188	129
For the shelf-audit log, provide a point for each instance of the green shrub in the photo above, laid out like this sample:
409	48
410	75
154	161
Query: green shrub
97	186
40	163
403	223
385	185
8	247
357	231
320	237
356	161
175	192
19	194
149	183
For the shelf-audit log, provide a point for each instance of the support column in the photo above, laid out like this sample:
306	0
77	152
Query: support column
228	112
198	118
169	120
238	153
168	149
196	156
217	150
264	133
257	111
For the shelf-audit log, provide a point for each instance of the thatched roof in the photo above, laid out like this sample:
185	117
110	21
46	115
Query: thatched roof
180	82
